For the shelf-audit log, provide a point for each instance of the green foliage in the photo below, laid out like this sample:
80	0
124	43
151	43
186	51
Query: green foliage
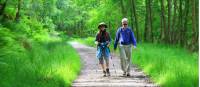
6	38
2	1
33	54
10	12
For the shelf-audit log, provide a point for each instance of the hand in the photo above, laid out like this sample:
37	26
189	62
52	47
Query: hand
96	42
108	45
135	48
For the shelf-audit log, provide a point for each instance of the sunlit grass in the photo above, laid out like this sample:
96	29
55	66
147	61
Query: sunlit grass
168	66
50	64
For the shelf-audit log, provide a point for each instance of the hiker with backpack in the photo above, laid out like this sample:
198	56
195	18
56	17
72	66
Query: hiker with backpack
103	52
125	38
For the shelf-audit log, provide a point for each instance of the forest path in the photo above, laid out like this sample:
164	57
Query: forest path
91	74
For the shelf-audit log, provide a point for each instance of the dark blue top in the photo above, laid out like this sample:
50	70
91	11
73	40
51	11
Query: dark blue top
124	37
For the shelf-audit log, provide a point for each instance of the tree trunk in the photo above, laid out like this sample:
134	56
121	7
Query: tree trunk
135	16
150	20
161	27
132	17
181	24
193	25
169	22
2	7
163	19
146	23
187	6
18	11
197	25
173	28
124	14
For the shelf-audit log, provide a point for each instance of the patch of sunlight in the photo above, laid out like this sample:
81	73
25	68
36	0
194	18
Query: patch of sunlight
148	68
163	78
65	72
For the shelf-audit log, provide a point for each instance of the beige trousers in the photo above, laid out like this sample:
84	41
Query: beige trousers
125	57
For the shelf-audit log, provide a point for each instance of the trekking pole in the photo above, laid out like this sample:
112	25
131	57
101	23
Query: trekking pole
96	64
113	63
96	61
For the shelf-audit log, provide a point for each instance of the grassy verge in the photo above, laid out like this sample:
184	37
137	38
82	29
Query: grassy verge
33	64
168	66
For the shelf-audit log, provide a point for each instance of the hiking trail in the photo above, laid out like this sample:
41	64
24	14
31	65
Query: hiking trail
91	74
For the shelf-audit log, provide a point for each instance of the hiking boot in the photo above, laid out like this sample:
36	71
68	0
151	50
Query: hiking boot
104	73
124	74
108	72
128	74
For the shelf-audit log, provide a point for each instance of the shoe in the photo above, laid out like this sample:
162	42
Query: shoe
124	74
128	74
108	72
104	73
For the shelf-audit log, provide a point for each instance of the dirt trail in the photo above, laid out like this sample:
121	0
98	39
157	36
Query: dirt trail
91	74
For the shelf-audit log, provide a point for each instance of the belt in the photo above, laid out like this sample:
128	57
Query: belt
125	43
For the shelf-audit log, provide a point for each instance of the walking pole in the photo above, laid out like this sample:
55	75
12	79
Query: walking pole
96	64
113	63
96	61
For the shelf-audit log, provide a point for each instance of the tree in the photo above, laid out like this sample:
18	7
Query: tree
164	34
194	34
148	35
124	12
18	10
134	18
174	22
169	22
2	7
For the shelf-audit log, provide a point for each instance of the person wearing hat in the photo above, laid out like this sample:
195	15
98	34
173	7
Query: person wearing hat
125	38
103	52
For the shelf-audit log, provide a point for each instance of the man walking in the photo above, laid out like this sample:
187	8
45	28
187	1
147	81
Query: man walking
125	38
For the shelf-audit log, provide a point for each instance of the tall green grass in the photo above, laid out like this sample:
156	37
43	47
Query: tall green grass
53	63
168	66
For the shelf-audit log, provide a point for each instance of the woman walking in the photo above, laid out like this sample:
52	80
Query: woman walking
103	52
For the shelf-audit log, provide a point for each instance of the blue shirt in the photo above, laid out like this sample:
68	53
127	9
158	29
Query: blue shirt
124	37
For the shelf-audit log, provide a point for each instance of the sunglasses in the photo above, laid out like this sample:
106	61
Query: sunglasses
125	24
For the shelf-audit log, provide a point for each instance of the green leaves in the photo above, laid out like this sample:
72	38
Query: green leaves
10	12
6	37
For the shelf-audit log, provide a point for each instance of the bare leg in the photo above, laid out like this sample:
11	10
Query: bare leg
107	64
101	62
107	67
103	67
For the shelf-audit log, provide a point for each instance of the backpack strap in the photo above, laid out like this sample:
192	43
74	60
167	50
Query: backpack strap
106	34
99	36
